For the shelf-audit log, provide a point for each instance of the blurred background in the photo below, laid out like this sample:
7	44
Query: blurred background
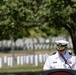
28	31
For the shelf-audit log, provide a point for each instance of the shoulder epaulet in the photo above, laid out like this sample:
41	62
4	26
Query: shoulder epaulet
70	53
54	53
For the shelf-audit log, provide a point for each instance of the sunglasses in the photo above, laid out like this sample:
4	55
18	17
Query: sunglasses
61	50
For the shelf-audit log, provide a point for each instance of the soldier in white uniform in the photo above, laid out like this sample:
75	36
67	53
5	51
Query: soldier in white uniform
61	59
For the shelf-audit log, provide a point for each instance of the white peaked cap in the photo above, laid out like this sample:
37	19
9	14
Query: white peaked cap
62	42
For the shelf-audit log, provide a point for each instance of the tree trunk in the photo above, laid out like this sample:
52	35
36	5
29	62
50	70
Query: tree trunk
73	37
74	44
72	32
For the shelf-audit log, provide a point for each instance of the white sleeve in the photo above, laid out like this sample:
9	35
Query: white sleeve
74	65
47	65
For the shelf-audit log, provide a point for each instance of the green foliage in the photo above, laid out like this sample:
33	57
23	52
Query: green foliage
18	17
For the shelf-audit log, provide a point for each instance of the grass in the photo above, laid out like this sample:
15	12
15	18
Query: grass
22	68
27	52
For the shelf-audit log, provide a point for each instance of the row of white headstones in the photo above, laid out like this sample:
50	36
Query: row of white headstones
34	43
23	59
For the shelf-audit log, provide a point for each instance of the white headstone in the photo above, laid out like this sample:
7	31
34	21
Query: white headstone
10	61
40	58
5	59
27	59
36	60
31	59
1	62
22	60
18	60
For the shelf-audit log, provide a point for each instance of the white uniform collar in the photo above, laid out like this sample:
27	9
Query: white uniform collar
67	55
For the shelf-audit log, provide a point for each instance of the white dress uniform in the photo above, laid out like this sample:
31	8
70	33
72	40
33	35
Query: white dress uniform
56	62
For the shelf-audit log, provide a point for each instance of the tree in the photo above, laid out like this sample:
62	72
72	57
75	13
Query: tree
59	14
18	16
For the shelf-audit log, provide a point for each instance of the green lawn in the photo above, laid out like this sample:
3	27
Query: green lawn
27	52
21	68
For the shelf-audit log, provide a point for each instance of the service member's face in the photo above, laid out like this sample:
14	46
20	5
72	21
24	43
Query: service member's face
62	51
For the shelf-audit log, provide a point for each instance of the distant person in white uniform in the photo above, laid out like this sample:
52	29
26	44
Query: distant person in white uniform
62	59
